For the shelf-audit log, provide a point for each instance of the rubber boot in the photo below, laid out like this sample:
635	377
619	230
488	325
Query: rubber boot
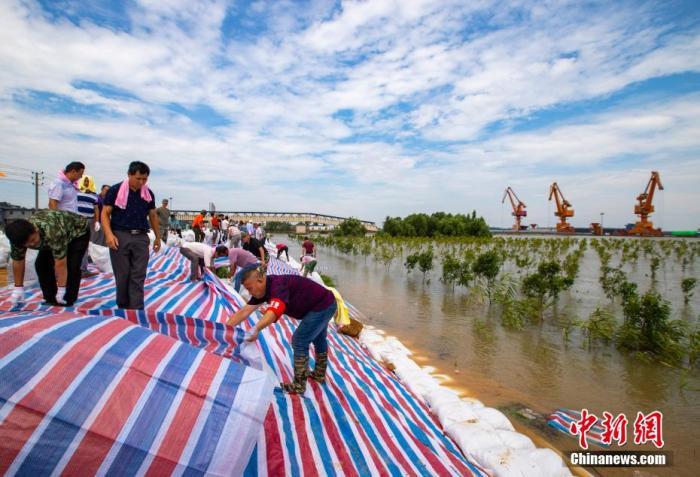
301	372
319	373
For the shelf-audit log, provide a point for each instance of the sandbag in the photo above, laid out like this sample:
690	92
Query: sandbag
441	396
353	329
504	462
30	277
548	461
4	249
472	437
515	440
100	257
188	235
495	418
454	412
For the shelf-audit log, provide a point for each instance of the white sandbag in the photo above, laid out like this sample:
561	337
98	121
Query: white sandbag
453	412
173	240
504	462
4	249
548	461
515	440
396	346
30	277
368	336
473	402
405	365
188	235
441	396
422	385
472	437
100	257
495	418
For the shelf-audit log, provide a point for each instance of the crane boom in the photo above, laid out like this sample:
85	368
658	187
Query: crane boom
518	207
564	209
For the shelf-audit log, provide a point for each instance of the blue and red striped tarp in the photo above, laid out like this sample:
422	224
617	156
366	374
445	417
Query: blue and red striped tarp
126	392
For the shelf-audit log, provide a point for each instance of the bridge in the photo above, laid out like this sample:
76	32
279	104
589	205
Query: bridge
287	217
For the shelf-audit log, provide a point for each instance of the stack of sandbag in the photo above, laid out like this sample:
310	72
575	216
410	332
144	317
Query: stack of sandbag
484	434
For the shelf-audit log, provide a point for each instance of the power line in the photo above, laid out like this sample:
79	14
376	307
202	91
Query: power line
19	168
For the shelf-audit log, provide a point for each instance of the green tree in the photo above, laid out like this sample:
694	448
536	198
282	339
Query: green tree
546	284
649	329
486	266
687	285
351	227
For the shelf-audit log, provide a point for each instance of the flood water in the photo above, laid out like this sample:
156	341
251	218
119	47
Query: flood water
535	367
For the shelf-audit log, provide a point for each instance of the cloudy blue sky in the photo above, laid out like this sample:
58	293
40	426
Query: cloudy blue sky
367	109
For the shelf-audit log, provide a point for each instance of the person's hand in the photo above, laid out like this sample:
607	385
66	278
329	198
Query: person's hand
156	245
97	226
230	321
60	295
112	242
251	335
17	297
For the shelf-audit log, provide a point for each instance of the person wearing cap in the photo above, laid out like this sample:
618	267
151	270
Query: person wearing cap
62	238
240	261
252	245
164	218
87	207
299	298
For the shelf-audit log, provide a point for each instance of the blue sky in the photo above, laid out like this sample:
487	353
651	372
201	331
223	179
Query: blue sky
366	109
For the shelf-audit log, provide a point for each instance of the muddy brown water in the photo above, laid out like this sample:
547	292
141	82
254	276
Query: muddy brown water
535	367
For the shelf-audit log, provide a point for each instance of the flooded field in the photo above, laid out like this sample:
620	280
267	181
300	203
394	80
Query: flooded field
539	366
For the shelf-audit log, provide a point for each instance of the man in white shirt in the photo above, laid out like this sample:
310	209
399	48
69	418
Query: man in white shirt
201	256
63	191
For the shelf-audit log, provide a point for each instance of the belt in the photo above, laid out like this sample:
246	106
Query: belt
133	232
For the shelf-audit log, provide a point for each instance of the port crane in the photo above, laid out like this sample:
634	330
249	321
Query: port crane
644	208
518	208
564	209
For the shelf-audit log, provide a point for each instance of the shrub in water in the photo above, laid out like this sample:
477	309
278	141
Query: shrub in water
648	329
687	285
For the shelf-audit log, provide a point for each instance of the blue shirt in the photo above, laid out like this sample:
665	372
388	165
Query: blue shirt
65	193
135	216
86	204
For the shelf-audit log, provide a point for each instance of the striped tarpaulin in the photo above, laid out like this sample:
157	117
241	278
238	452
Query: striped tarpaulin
363	421
86	394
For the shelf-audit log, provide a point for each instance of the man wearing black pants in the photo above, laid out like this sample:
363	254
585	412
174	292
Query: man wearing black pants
62	238
128	206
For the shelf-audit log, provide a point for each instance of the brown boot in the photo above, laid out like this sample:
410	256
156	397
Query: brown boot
301	372
319	373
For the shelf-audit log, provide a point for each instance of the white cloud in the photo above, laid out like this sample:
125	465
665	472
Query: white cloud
415	70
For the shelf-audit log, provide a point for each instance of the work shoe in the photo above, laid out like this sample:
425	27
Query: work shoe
301	372
319	373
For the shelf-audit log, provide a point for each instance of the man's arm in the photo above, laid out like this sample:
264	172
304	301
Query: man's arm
60	265
18	272
155	225
262	255
110	239
241	315
268	318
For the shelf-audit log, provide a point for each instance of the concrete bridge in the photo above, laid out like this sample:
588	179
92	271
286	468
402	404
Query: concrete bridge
287	217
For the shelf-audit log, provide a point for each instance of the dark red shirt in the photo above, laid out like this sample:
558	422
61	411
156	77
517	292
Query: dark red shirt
308	246
300	295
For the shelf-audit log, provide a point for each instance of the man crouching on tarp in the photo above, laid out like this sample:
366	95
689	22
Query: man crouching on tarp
299	298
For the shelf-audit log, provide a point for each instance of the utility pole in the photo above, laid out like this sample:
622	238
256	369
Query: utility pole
37	180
